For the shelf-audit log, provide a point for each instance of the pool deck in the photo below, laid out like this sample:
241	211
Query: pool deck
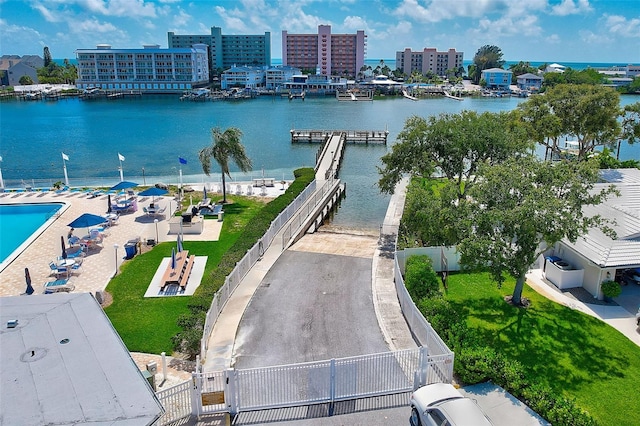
99	265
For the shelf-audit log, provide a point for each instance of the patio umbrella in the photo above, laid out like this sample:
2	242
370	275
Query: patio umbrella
153	192
173	259
29	291
109	203
179	244
204	192
123	185
87	220
64	248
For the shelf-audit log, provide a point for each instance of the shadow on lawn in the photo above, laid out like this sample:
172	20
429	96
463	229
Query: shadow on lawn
556	344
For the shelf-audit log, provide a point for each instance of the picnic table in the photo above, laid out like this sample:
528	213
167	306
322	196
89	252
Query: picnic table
180	275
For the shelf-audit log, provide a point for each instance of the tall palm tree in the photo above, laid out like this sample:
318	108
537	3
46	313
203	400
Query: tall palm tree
225	146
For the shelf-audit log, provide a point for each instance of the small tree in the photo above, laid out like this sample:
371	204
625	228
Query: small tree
47	57
25	80
420	278
523	206
225	146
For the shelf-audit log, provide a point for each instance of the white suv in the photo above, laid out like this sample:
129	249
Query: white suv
440	404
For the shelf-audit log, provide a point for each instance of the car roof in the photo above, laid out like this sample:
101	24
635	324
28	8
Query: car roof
464	411
430	394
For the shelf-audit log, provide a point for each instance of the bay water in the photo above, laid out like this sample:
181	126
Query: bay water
152	131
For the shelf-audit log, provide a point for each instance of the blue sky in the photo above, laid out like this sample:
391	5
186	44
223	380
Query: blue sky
534	30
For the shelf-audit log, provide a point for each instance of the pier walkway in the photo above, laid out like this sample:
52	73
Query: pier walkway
219	353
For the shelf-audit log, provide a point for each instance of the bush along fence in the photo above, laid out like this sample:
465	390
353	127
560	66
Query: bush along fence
475	362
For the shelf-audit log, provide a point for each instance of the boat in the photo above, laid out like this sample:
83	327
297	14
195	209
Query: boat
408	96
450	96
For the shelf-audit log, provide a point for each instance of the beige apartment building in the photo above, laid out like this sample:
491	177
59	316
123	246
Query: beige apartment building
428	60
326	53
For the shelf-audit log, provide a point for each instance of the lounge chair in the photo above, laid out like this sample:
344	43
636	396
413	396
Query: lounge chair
58	286
211	210
57	270
77	254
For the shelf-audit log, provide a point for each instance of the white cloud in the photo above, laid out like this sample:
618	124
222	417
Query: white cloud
181	18
571	7
48	14
553	39
92	26
591	38
621	26
507	27
122	8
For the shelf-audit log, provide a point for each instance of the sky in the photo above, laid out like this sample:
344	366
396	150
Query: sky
593	31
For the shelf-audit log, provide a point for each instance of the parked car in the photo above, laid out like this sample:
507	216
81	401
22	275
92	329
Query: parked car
442	404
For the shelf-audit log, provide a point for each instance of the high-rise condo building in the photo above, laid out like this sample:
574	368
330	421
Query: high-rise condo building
326	53
428	60
226	51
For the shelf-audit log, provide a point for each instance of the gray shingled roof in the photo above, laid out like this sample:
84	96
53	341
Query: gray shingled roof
64	364
624	250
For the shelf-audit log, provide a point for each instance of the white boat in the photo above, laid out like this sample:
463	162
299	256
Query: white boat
450	96
408	96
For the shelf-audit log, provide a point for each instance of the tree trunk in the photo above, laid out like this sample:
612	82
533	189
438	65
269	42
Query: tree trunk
516	299
224	190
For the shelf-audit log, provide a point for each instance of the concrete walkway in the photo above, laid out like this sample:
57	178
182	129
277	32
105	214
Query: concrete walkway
615	315
219	354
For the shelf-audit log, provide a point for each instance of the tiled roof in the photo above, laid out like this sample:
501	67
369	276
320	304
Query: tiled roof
624	212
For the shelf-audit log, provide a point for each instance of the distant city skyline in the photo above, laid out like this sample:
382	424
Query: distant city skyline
531	30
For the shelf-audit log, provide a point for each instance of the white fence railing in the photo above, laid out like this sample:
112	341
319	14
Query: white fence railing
176	402
420	327
296	222
249	259
324	381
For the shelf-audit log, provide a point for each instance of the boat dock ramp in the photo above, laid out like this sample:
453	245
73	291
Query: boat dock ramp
351	136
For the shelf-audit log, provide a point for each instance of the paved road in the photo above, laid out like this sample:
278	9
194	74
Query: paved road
310	307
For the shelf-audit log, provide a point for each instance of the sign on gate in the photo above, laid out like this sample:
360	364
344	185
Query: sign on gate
212	398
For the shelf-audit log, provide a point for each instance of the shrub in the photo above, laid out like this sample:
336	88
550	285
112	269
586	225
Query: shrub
611	288
420	278
475	362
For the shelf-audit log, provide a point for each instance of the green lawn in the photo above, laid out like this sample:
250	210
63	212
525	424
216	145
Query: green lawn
572	352
147	324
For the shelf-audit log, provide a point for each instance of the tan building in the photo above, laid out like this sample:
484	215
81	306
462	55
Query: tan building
428	60
328	54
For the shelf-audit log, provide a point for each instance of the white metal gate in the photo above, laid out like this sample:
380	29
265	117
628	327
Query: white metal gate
320	382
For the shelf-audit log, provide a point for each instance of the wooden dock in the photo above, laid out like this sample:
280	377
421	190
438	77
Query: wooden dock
351	136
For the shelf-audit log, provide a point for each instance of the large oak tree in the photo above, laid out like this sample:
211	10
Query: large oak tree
522	207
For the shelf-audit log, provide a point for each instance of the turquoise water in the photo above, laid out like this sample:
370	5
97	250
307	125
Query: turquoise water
152	132
19	221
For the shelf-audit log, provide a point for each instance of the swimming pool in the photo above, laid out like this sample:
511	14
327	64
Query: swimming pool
18	222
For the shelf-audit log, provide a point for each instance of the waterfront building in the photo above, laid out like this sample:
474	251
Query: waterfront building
429	60
555	68
226	51
326	53
316	84
530	82
497	78
14	67
150	69
244	77
276	76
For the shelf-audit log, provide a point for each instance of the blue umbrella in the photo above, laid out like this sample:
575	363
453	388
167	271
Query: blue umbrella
29	291
153	192
173	258
123	185
179	244
204	191
87	220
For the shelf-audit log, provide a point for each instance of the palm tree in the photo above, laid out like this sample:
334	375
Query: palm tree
225	146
